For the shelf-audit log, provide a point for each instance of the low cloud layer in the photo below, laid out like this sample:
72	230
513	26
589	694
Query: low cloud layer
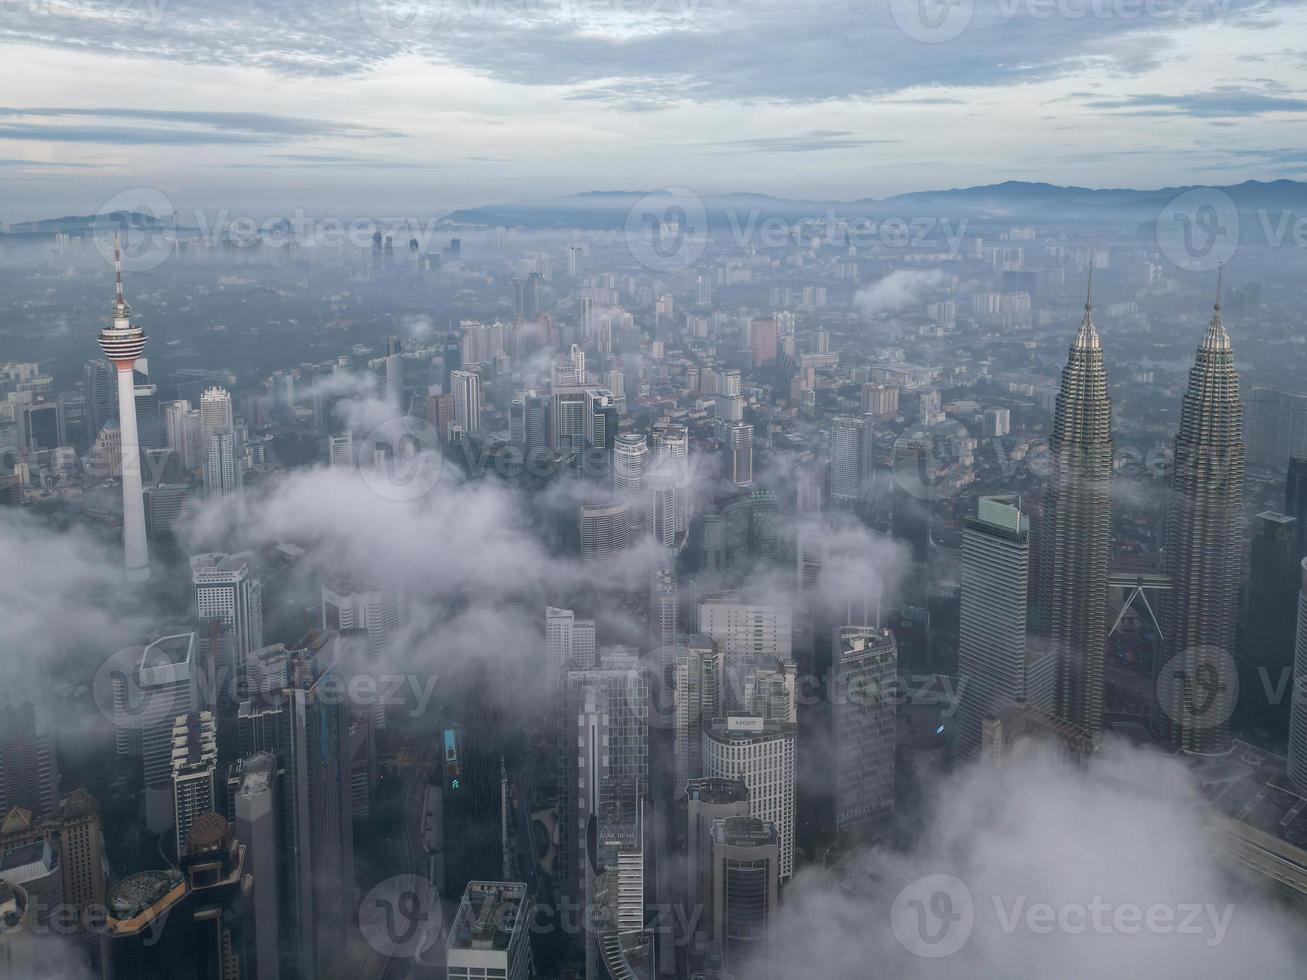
1038	871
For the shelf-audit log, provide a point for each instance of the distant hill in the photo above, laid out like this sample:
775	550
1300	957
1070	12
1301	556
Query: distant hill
1007	202
79	224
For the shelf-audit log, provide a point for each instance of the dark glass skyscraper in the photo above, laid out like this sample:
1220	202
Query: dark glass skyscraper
1195	676
1075	538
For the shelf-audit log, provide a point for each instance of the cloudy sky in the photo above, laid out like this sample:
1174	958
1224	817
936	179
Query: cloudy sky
359	105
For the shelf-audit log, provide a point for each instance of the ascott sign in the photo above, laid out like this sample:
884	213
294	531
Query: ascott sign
744	723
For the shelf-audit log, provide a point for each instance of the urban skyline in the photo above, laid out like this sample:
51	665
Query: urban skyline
859	546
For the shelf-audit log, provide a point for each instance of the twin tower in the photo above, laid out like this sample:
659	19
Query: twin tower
1194	675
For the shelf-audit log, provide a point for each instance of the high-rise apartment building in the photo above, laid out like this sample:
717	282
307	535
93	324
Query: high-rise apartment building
194	763
851	459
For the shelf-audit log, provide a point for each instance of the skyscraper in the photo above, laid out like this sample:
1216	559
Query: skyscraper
850	459
865	669
739	453
466	387
123	342
630	461
1298	712
225	588
708	801
1204	543
992	628
215	414
101	398
662	608
745	887
1295	500
194	761
1075	537
1270	617
761	753
603	749
569	642
223	475
29	771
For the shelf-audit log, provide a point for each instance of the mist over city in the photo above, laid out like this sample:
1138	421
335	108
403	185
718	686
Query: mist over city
659	490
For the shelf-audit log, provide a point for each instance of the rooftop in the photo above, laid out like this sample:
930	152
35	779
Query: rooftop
488	916
136	894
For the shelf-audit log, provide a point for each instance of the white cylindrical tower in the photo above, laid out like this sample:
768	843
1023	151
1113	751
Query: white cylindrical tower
123	343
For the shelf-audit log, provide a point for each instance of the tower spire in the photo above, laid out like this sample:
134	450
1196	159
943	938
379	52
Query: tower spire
1217	337
1087	338
121	309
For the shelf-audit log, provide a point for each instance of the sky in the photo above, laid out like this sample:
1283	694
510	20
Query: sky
350	107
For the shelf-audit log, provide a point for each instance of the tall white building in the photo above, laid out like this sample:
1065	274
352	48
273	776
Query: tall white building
225	588
745	630
851	459
123	343
762	755
568	641
184	434
215	413
352	604
224	474
466	387
739	453
630	461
